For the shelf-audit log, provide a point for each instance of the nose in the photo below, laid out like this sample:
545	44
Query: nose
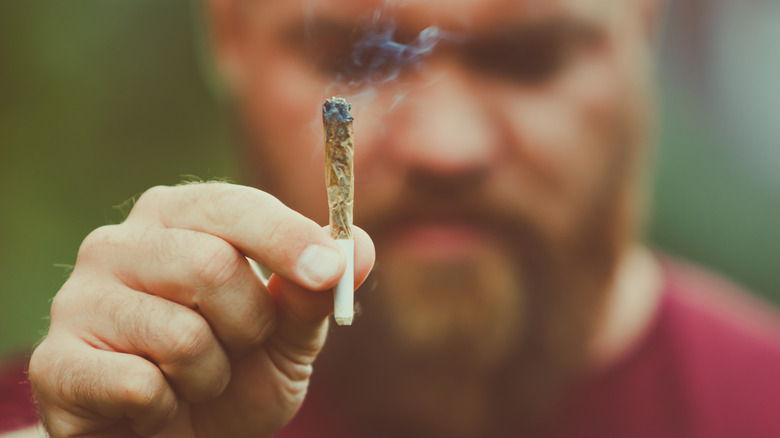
442	127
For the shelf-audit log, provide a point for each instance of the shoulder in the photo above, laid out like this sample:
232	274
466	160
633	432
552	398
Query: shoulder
712	312
727	346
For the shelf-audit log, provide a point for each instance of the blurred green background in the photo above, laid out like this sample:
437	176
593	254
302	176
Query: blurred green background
101	99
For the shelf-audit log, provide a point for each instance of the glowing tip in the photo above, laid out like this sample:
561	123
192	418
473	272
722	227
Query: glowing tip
336	109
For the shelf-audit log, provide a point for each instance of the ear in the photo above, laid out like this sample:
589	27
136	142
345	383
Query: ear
223	34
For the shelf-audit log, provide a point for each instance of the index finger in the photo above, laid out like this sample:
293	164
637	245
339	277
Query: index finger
256	223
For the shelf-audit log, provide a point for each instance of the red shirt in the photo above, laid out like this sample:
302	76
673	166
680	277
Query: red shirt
708	366
17	410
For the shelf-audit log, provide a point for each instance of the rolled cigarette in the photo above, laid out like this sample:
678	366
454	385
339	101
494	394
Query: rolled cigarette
339	148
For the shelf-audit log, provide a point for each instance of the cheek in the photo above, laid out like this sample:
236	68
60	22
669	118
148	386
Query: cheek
563	134
285	100
593	98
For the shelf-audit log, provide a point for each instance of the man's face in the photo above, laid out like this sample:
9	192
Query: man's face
496	146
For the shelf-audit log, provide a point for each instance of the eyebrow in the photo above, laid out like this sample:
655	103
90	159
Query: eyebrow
568	28
565	28
525	51
324	25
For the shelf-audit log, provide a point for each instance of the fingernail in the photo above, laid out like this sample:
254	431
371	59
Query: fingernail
318	264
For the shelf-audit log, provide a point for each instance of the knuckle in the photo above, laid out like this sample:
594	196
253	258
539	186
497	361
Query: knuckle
261	325
217	265
143	387
96	241
221	198
208	386
150	197
281	225
40	366
253	330
263	197
169	247
277	227
63	302
188	336
80	295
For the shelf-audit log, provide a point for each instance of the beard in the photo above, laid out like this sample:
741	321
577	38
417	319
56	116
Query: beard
481	344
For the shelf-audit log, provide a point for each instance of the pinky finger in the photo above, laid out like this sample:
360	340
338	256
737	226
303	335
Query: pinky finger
88	392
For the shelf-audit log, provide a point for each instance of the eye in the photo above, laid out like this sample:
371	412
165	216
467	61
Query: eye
327	47
376	56
518	61
528	56
352	56
372	53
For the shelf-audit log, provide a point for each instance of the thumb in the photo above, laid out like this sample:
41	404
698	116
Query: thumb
303	313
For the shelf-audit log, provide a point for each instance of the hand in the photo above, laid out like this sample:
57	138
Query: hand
163	328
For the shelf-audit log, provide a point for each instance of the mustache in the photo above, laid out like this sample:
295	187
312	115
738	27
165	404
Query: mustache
430	200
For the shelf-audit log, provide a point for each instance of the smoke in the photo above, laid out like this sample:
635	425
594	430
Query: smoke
379	54
382	57
361	60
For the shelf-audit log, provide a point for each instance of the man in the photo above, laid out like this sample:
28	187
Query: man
499	165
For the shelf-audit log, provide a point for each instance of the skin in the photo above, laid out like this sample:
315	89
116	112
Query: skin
167	336
521	186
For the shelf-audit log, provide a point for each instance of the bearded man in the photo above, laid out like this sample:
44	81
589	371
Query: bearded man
500	158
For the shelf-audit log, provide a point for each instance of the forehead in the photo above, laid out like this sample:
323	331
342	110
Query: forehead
460	15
